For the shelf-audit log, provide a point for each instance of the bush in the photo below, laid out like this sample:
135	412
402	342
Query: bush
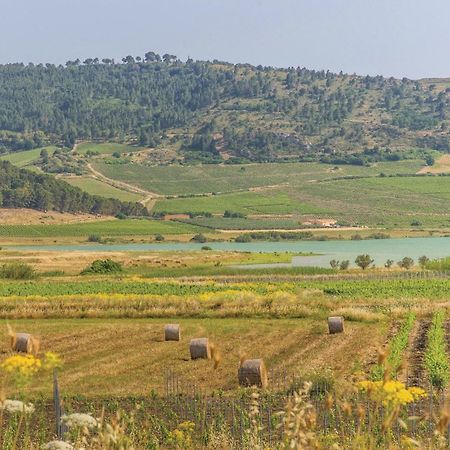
94	238
206	247
17	271
121	216
103	266
406	263
199	238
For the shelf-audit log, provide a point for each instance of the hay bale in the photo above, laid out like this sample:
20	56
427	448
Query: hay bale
253	372
335	324
172	332
24	343
200	348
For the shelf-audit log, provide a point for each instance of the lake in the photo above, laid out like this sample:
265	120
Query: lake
379	249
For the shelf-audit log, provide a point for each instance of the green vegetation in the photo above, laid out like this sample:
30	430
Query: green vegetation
103	266
436	359
21	188
105	148
395	351
97	187
107	228
260	113
26	158
17	271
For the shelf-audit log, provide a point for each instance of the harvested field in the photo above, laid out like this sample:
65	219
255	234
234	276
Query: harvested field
101	356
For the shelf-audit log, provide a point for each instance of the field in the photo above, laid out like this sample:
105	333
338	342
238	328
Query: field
26	158
108	330
105	148
104	228
104	369
176	180
97	187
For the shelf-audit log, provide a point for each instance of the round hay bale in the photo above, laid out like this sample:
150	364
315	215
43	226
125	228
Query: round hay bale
172	332
253	372
335	324
24	343
200	348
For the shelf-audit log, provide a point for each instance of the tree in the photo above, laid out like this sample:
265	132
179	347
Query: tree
363	261
388	263
344	265
406	263
334	263
423	260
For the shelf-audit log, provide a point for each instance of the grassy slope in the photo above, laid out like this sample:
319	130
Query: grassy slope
97	187
176	180
26	158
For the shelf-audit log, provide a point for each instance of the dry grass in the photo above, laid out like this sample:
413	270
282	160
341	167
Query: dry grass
102	358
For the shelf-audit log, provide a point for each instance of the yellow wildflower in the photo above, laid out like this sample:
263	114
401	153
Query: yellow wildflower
23	365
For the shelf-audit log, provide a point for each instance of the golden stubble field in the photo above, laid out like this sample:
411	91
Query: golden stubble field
123	357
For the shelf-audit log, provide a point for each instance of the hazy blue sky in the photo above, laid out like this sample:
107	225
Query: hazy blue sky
390	37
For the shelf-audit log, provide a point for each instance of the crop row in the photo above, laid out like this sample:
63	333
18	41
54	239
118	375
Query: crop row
104	228
384	289
436	360
49	289
396	350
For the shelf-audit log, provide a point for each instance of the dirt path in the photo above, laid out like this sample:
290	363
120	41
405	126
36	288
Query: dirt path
150	197
415	370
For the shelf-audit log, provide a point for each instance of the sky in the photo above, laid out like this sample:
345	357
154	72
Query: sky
389	37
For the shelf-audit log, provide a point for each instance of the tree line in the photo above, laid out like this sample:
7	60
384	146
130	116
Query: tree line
20	188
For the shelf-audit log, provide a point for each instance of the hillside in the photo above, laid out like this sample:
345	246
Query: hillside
20	188
198	111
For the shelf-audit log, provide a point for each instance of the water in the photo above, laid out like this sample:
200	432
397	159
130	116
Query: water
379	249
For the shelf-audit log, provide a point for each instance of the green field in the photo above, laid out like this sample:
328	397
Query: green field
248	203
136	227
26	158
182	180
97	187
106	148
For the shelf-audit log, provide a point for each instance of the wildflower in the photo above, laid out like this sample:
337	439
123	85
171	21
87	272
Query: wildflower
391	392
16	406
52	361
58	445
79	420
23	365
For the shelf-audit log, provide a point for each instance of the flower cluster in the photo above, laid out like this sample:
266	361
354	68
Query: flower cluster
22	365
58	445
391	392
16	406
79	420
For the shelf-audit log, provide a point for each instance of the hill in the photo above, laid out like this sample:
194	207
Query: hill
20	188
197	111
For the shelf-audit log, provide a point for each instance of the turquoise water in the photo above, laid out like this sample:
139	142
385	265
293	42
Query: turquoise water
379	249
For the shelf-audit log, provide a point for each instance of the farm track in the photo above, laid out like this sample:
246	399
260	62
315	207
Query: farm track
415	361
149	199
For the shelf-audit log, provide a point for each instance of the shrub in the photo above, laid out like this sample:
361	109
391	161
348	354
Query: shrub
199	238
159	237
121	216
17	271
206	247
94	238
406	263
363	261
344	265
103	266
